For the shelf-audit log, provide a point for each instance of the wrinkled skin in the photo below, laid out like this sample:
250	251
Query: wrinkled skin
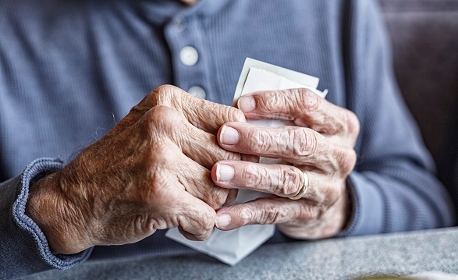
321	144
150	172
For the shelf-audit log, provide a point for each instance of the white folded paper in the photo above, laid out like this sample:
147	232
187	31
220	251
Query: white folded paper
234	245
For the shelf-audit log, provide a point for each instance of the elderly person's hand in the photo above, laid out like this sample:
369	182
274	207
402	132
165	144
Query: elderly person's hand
150	172
318	152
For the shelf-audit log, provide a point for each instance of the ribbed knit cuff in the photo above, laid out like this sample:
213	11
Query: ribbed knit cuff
33	170
367	207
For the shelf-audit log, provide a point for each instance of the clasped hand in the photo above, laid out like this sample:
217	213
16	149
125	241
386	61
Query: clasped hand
175	161
321	144
150	172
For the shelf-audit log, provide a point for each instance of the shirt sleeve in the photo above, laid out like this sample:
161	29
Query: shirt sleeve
393	187
23	245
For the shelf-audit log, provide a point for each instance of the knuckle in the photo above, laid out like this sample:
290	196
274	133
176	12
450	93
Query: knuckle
247	216
270	101
150	122
331	196
346	160
263	140
167	95
307	99
163	118
308	213
350	162
158	112
291	181
208	220
272	215
164	91
264	101
353	125
203	218
304	142
251	176
218	197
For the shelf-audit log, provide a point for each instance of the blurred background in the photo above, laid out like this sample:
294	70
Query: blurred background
424	37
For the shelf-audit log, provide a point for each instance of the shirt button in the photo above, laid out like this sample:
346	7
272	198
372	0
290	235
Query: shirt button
197	92
180	24
189	56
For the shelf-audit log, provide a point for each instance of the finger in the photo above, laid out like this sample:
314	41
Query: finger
299	219
274	210
198	145
326	223
201	146
297	145
193	177
280	180
197	181
172	206
302	106
201	113
197	219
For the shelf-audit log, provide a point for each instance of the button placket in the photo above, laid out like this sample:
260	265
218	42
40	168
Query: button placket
185	38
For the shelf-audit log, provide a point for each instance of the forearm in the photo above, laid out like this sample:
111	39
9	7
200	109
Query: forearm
24	247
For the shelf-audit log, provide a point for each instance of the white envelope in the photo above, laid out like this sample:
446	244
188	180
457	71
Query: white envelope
234	245
230	246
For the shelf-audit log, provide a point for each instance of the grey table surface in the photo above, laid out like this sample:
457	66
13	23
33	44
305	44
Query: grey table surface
348	258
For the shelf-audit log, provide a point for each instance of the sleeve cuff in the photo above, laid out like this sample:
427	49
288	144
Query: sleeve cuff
367	207
33	170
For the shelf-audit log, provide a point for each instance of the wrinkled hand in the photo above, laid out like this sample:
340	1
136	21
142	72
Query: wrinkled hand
321	144
150	172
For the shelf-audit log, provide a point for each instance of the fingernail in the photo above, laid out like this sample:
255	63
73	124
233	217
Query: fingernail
246	103
224	173
223	221
229	136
